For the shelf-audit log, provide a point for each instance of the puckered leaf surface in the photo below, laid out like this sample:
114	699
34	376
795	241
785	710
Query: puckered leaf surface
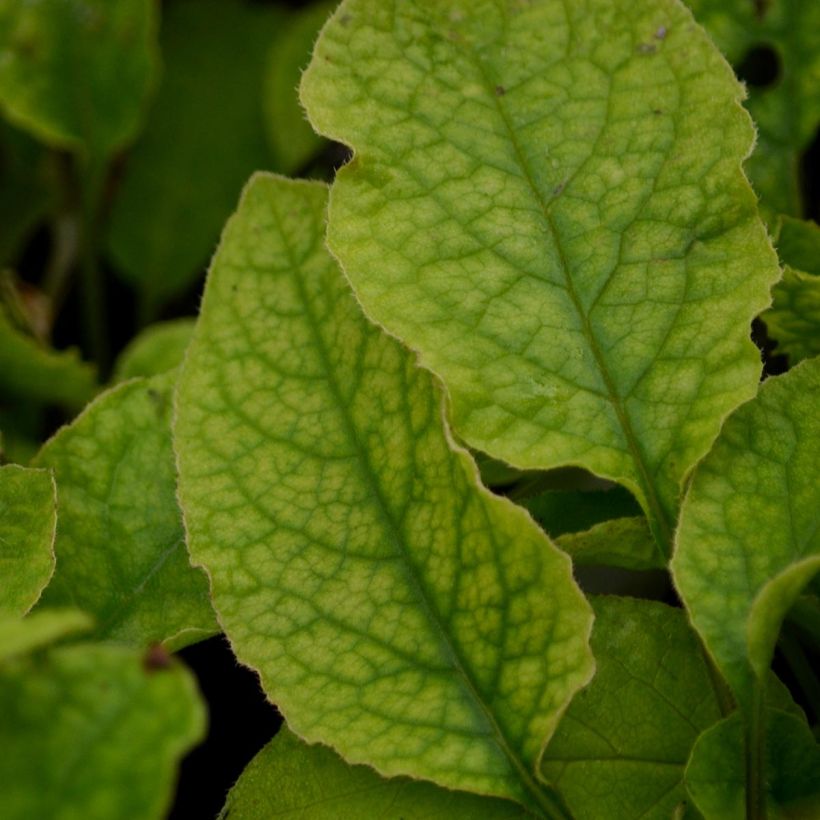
28	517
749	539
794	317
120	544
91	732
621	748
204	137
547	202
786	109
288	778
716	778
77	73
157	349
393	607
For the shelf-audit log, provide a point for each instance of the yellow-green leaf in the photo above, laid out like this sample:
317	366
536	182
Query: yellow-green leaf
158	349
121	553
28	518
393	607
547	203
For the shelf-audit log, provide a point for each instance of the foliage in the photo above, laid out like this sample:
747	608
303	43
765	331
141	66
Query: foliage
466	452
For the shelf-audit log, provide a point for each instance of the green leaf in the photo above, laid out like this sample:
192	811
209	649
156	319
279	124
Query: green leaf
547	203
794	318
93	732
620	751
393	607
20	636
31	370
748	539
204	137
289	778
621	542
291	137
716	778
28	518
77	73
787	111
561	511
158	349
120	544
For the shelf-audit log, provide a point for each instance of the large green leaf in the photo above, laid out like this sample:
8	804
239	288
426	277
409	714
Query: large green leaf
620	751
204	137
547	202
28	517
293	141
29	370
748	539
93	732
717	780
77	73
158	349
288	778
794	318
787	111
120	544
394	608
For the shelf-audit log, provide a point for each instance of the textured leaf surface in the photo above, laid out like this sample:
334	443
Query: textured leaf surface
288	778
77	73
394	608
19	636
787	110
28	517
204	137
30	370
621	748
120	545
794	318
88	731
158	349
748	538
716	779
292	139
547	203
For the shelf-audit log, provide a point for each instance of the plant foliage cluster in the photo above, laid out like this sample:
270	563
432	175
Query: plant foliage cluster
467	452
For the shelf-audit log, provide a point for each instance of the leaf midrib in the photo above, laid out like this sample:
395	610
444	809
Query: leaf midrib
396	537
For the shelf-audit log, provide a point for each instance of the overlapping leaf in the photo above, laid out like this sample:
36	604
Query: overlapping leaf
28	518
547	202
787	108
289	778
794	318
204	137
29	370
394	608
77	73
621	748
158	349
120	544
749	539
89	731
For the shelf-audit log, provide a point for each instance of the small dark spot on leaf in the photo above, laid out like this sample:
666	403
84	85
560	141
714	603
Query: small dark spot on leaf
345	19
156	658
657	111
660	34
646	48
234	288
500	90
559	188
